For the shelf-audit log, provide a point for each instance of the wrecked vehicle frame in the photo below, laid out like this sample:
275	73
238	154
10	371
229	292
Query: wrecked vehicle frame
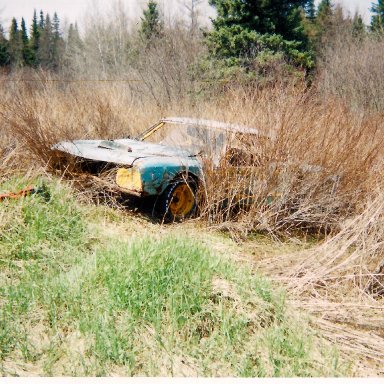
165	161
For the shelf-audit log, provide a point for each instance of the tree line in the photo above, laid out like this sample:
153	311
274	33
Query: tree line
42	47
246	34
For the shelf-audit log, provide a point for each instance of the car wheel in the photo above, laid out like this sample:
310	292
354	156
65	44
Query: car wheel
178	201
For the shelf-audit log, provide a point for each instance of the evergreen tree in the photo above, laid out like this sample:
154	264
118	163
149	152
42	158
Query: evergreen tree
35	39
245	28
74	41
73	57
324	13
151	23
4	49
310	10
46	48
42	21
377	20
324	23
26	48
58	43
15	45
56	26
358	27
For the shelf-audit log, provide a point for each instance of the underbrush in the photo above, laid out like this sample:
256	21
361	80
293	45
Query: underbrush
341	282
312	167
40	235
153	306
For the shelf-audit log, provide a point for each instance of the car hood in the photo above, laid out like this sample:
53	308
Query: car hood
123	151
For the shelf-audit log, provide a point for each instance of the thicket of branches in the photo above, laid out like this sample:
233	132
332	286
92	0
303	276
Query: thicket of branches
328	113
319	93
249	41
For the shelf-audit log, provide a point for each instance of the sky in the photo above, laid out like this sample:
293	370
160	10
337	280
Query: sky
75	10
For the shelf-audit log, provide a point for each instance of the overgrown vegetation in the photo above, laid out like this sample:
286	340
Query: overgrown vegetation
317	182
77	307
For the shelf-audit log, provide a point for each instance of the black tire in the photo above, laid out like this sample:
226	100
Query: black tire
178	201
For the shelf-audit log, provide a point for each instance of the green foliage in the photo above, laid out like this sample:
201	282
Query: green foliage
358	27
138	306
237	43
377	20
310	10
270	16
157	279
151	24
33	227
45	46
42	21
4	49
248	29
35	39
28	57
15	45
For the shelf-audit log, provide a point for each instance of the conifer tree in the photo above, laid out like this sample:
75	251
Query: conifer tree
42	21
56	26
151	23
58	43
74	42
4	48
358	27
15	45
73	57
324	23
310	10
35	39
46	48
246	28
324	13
377	20
26	48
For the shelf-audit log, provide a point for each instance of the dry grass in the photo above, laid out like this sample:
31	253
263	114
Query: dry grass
317	169
339	196
351	69
341	282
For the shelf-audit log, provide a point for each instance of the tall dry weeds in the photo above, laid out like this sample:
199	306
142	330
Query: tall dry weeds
316	168
341	283
351	69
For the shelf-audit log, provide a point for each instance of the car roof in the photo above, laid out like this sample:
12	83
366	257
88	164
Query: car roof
214	124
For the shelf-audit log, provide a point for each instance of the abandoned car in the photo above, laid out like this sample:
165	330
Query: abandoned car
165	161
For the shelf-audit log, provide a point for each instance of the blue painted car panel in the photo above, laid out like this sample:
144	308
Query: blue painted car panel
156	173
156	164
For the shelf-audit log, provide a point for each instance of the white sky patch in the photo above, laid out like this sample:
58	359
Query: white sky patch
76	10
351	6
70	11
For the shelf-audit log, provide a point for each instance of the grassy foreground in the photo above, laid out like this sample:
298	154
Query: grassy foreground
77	299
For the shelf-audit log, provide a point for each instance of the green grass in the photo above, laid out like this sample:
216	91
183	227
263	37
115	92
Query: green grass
153	305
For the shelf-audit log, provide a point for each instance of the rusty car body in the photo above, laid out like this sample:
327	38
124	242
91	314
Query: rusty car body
164	161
